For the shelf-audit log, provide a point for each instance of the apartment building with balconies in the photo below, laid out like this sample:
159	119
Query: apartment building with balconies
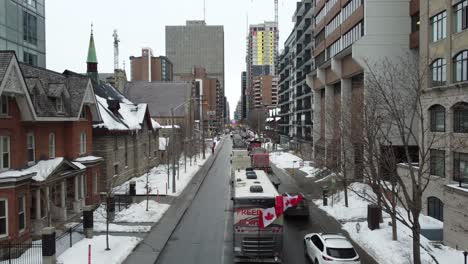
349	34
296	61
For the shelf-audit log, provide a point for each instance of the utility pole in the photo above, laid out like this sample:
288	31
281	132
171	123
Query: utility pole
173	154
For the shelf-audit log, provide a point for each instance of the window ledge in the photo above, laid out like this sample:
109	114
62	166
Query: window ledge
5	116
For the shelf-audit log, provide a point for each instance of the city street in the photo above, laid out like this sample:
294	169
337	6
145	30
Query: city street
203	234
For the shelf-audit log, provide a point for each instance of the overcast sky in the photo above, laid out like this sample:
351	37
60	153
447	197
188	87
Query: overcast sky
141	23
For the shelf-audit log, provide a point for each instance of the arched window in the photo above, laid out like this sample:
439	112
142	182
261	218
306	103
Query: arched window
460	66
460	118
437	113
52	145
83	143
438	70
435	208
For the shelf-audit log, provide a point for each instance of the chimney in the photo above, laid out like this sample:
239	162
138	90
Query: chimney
113	105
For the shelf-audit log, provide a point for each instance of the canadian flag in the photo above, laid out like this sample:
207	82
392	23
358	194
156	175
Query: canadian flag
267	216
291	201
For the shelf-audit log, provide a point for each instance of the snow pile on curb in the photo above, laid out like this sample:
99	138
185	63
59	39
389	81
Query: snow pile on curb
135	213
285	160
121	247
379	242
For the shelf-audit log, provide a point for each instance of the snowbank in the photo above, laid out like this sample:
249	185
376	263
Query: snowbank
121	247
135	213
285	160
378	243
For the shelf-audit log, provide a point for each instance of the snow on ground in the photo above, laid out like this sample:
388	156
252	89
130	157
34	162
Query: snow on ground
121	247
134	213
285	160
393	251
101	227
158	178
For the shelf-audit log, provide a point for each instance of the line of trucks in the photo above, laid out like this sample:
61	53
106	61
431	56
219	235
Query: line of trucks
253	189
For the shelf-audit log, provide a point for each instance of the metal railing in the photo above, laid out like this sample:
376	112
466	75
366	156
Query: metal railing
68	238
21	253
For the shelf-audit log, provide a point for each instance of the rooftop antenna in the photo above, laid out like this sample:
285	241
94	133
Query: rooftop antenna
116	50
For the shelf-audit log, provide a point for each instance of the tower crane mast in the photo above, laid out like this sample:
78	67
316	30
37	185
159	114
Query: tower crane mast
116	49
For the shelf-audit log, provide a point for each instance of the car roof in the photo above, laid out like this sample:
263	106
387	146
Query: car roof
336	241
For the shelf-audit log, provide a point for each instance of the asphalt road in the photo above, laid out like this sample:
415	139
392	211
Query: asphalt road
202	235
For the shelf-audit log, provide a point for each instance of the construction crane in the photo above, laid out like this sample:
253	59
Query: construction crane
116	49
276	11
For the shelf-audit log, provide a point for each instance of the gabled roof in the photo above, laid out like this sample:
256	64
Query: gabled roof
5	58
160	96
128	116
51	85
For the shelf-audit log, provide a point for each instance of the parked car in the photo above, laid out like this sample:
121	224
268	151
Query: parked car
301	210
323	248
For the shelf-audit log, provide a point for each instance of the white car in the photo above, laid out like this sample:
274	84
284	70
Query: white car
323	248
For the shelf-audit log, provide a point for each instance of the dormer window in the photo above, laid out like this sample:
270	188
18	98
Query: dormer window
83	113
59	104
3	105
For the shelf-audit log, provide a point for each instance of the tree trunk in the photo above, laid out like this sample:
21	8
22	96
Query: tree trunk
393	214
107	228
416	241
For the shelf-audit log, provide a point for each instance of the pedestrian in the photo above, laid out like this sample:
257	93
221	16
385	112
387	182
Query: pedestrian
213	147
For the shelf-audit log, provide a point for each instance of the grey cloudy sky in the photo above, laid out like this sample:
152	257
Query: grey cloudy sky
141	23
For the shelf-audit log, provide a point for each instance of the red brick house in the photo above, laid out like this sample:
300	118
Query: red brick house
47	173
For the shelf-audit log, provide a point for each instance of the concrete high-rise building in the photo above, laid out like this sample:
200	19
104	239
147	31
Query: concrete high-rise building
160	67
243	112
265	91
22	29
238	111
197	44
262	49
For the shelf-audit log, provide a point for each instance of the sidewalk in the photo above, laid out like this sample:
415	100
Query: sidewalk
154	242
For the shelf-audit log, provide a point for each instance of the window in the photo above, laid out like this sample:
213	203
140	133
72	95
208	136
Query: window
437	113
460	118
29	28
334	49
116	169
320	16
30	58
438	70
439	25
329	5
334	24
59	104
352	35
342	253
21	213
437	162
32	3
4	152
31	147
3	218
82	143
3	105
415	22
460	166
349	9
51	145
317	242
460	64
435	208
461	16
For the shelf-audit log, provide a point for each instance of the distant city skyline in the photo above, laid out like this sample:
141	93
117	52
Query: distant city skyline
142	24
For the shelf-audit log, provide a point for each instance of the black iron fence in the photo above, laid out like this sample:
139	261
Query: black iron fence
24	253
122	201
68	238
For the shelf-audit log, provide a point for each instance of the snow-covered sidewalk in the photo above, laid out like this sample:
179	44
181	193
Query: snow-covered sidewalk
135	213
378	243
121	247
286	160
158	179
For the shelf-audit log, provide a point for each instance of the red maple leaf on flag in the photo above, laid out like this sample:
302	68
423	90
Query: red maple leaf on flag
288	202
269	216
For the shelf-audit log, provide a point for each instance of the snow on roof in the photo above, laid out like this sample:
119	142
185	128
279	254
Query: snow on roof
130	116
13	174
170	126
44	168
79	165
87	158
242	188
155	124
163	142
